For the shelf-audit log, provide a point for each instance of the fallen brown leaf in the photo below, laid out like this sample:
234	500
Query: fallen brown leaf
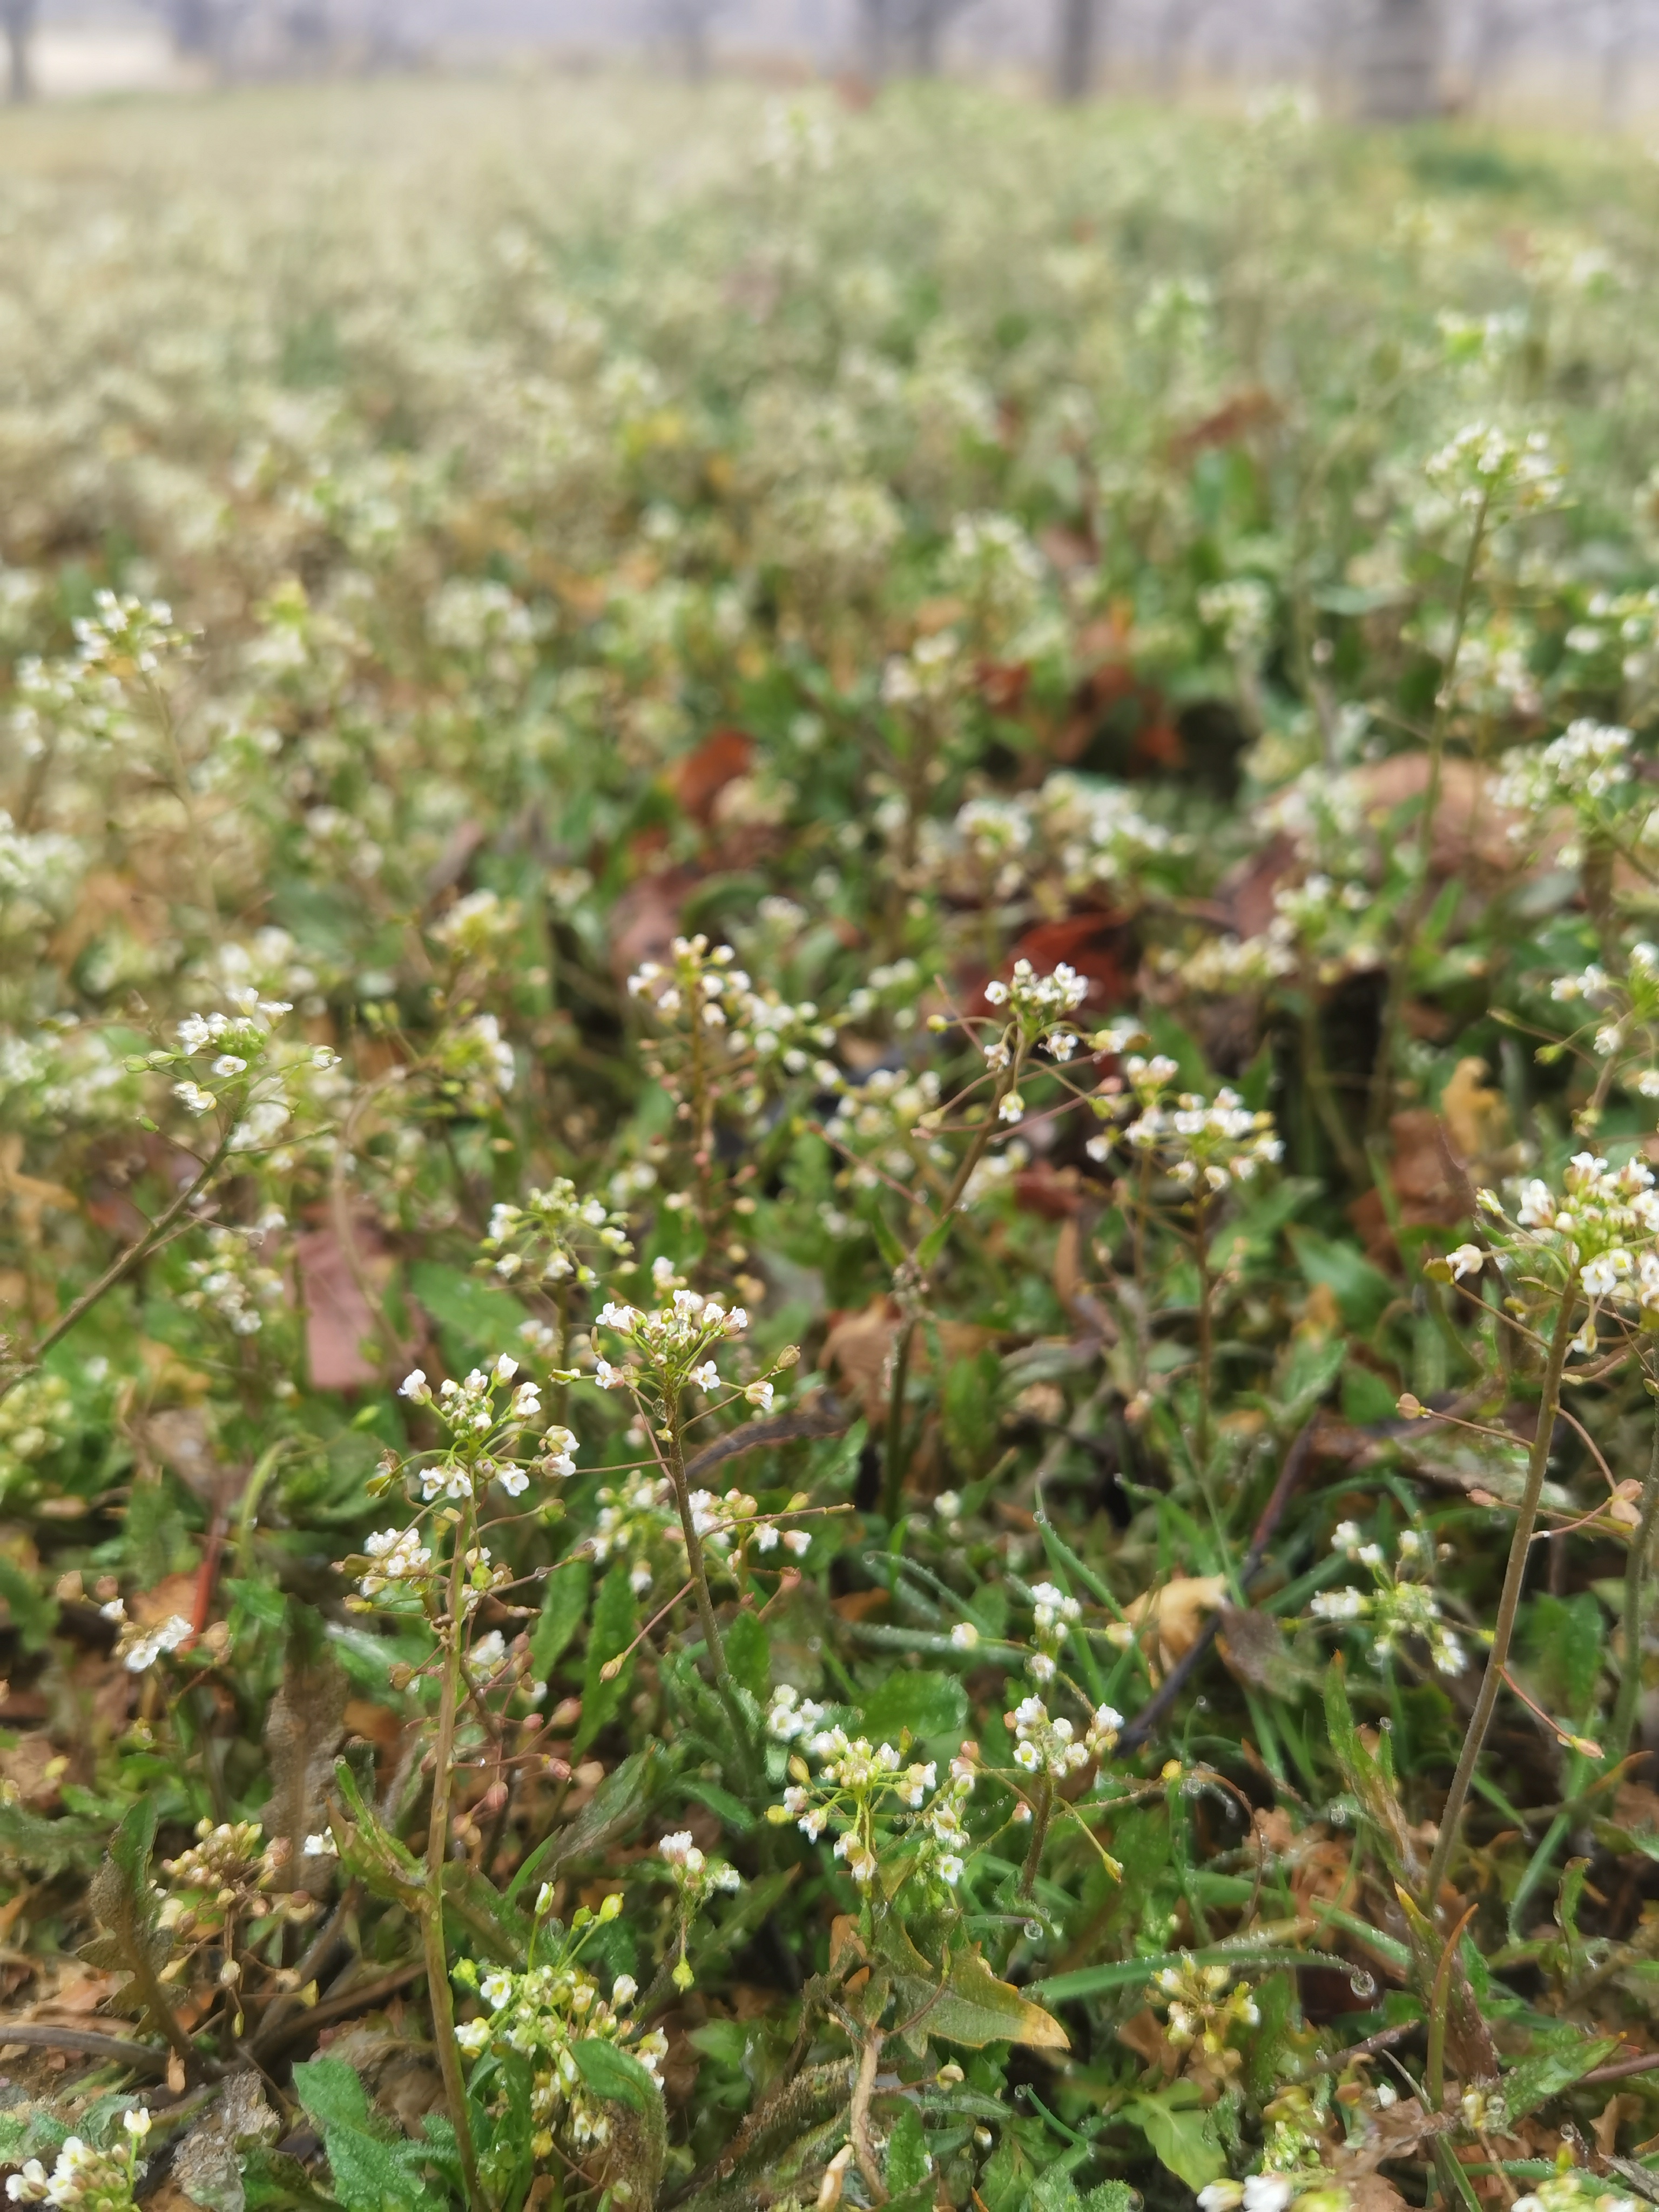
860	1349
1175	1614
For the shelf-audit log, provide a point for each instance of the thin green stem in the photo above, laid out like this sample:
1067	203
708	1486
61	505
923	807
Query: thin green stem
673	1458
892	1475
892	1484
1042	1814
439	1993
119	1268
1393	1003
1514	1577
1636	1569
1206	1328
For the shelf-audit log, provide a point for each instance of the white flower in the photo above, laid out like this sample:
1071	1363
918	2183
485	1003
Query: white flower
1599	1277
1221	2196
964	1636
414	1386
1466	1260
320	1847
1267	2192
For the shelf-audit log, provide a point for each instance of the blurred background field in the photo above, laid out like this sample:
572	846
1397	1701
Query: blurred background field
494	503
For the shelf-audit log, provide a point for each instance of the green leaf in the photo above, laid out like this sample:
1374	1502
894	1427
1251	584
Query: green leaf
748	1654
369	2174
968	1409
34	1614
1533	2082
31	1840
616	1623
908	2162
927	1705
732	1810
1564	1644
332	2094
1366	1397
370	1850
1184	2134
472	1316
473	1901
961	2000
615	1807
563	1611
131	1846
616	2075
1360	1290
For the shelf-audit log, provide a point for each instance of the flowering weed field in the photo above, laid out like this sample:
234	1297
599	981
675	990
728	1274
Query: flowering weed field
829	1251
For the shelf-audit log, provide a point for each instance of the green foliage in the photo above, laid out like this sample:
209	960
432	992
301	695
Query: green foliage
830	963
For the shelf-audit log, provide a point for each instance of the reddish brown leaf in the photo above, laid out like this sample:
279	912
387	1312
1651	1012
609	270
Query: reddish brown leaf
339	1321
698	778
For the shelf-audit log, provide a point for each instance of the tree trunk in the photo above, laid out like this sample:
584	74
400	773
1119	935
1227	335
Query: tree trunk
1399	68
20	31
1176	23
1617	55
194	28
1074	51
926	32
876	39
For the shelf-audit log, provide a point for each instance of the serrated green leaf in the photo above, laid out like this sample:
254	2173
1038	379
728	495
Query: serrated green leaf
332	2092
907	2161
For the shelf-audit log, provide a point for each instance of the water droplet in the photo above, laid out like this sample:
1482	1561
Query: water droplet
1033	1929
1362	1983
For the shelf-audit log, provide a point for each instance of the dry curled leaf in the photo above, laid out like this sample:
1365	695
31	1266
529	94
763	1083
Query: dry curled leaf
1173	1616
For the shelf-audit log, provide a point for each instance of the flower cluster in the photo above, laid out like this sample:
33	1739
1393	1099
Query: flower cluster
484	1431
1039	1006
540	2013
1054	1613
704	998
1600	1233
864	1793
697	1878
1485	466
1206	2008
550	1233
1206	1144
672	1349
88	2179
139	1645
231	1281
226	1873
1048	1744
1400	1608
1586	766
